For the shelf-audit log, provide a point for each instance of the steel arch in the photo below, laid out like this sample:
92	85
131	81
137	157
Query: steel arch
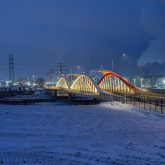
114	83
62	84
85	85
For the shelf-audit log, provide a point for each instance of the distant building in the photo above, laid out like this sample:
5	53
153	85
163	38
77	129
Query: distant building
147	81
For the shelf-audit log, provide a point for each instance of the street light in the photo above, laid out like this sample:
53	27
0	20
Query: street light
134	80
141	82
76	69
163	81
124	55
112	62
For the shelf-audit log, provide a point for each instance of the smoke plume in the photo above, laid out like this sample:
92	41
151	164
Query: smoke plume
153	20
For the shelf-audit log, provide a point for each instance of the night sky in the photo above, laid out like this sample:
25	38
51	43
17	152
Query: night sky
41	33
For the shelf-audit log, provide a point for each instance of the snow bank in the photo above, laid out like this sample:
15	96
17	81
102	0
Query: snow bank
109	133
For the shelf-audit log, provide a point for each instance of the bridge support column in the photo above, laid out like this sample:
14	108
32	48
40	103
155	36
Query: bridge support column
70	96
55	94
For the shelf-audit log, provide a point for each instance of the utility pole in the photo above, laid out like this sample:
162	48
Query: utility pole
11	69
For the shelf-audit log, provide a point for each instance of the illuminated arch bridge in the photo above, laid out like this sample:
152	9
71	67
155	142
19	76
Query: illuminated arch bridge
110	82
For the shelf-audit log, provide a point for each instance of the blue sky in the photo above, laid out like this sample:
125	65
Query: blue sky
89	33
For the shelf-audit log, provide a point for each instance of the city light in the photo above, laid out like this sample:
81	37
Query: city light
163	81
124	55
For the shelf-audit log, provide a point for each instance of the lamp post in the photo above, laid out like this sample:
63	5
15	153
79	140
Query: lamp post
76	69
134	81
141	82
124	56
112	62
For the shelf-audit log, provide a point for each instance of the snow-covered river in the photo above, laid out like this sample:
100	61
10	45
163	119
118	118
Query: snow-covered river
80	135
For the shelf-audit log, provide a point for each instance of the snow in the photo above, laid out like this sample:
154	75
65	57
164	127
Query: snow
57	133
38	94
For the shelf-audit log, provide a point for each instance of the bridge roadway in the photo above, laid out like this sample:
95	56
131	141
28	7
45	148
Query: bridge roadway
109	84
80	95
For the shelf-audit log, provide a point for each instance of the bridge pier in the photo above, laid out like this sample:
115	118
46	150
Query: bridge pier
55	94
52	93
70	96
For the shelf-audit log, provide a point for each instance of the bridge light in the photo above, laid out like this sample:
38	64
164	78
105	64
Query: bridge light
163	81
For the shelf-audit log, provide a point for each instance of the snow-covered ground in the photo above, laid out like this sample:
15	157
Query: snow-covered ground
59	134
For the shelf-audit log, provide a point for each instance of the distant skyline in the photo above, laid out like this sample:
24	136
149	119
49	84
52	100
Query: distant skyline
88	33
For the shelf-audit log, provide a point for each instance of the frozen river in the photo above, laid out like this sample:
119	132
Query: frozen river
80	135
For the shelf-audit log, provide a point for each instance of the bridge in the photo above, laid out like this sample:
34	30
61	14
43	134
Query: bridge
108	84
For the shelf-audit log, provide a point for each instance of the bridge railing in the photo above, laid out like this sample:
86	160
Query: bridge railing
144	102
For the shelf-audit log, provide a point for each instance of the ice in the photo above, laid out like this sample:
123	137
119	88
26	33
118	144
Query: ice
57	133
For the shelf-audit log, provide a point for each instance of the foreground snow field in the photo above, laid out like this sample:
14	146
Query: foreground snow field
60	134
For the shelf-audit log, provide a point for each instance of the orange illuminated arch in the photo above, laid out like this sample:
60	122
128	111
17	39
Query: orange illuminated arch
109	73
